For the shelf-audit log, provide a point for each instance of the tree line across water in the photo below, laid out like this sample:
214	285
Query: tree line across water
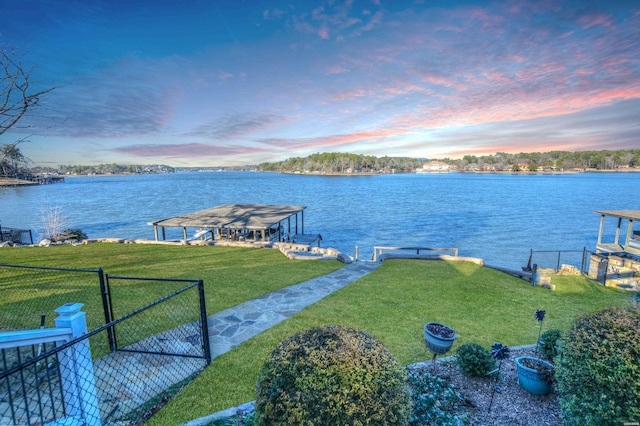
13	164
338	163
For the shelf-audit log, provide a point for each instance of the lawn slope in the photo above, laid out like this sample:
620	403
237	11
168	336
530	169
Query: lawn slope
393	303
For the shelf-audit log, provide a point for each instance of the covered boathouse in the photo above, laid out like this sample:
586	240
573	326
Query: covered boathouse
617	263
631	239
241	222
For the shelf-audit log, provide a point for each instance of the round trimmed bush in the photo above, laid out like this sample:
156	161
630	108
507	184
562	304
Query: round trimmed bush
549	349
474	360
598	374
332	375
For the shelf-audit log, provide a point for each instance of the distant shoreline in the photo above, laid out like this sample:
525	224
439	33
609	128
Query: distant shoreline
16	182
479	172
8	182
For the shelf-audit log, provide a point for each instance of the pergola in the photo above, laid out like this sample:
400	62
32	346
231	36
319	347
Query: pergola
239	222
630	245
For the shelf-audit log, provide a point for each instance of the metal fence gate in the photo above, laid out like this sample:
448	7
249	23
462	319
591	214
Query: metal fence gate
138	358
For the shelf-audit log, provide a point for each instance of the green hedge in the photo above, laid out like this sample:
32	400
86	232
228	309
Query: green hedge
598	372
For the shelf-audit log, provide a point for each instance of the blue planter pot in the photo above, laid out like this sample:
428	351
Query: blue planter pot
436	343
530	379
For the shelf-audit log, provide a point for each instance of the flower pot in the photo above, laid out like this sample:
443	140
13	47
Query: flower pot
535	380
438	337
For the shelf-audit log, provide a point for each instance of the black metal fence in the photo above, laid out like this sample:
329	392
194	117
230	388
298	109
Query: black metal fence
554	259
139	357
17	236
30	382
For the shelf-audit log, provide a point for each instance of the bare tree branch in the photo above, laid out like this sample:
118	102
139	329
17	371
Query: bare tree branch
15	99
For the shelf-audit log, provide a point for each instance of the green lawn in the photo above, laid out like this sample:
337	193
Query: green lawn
393	303
231	275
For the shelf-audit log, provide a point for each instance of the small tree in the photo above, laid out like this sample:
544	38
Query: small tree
53	222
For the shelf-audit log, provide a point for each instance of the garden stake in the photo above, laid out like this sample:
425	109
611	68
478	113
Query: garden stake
499	352
539	315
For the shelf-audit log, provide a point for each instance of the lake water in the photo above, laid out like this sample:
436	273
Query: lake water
498	217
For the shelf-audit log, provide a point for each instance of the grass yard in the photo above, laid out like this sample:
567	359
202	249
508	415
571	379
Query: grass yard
231	275
393	303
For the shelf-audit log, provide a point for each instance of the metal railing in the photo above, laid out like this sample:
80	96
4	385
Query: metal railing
15	235
377	250
30	384
554	259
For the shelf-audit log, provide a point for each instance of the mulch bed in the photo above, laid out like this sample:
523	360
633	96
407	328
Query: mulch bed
512	406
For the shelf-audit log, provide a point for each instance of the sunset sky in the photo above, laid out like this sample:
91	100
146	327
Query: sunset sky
221	83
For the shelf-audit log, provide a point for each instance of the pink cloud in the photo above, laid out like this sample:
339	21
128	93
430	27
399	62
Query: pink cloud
349	94
323	32
438	80
482	111
336	69
597	19
324	142
189	150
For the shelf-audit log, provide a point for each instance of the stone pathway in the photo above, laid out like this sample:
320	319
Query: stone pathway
233	326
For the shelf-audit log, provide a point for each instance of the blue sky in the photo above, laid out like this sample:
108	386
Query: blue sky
220	83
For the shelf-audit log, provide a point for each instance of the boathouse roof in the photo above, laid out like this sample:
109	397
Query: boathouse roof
232	216
623	214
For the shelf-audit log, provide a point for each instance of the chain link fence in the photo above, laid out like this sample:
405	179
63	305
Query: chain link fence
119	373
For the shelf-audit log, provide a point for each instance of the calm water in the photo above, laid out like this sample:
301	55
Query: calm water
497	217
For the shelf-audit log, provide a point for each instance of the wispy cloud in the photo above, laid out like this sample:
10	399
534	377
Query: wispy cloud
335	20
109	103
234	126
186	151
332	141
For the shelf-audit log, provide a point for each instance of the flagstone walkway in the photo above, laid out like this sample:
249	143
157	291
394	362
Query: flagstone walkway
233	326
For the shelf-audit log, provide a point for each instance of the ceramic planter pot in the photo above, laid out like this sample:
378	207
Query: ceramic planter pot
439	337
534	380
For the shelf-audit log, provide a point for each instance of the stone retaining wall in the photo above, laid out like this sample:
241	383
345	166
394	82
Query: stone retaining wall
292	251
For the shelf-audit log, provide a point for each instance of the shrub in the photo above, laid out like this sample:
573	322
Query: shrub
474	360
71	234
598	374
549	344
433	399
331	375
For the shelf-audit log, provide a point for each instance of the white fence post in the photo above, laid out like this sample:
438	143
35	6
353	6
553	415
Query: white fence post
76	367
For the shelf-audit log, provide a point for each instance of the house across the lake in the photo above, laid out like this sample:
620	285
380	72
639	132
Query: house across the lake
434	166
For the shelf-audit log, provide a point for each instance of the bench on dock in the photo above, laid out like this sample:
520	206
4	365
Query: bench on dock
200	234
